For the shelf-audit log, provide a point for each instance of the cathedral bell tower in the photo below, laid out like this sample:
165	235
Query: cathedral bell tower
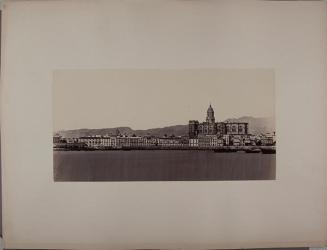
210	115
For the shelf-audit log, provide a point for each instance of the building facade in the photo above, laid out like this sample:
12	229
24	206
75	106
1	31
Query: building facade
210	141
211	127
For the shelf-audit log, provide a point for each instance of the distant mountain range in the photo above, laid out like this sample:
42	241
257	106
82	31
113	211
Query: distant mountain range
256	126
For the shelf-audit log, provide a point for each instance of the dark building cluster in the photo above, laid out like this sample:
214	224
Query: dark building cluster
211	127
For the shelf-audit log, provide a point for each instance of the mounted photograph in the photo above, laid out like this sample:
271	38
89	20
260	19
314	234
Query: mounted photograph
164	125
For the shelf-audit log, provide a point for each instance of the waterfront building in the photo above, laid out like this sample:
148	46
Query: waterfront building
71	140
247	141
90	141
112	142
122	141
151	141
194	142
57	138
134	142
97	141
210	141
267	140
107	142
226	139
170	142
236	142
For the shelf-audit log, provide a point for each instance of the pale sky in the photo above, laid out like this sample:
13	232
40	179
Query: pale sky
143	99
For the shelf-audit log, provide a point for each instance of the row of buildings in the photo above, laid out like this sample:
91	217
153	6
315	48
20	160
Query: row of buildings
138	142
208	134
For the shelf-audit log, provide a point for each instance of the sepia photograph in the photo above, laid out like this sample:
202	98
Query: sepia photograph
164	125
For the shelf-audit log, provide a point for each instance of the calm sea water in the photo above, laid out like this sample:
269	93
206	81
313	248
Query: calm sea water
162	165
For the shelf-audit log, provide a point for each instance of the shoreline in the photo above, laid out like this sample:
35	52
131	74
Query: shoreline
222	149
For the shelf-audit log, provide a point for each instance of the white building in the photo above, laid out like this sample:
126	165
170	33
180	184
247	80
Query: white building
194	143
98	142
210	141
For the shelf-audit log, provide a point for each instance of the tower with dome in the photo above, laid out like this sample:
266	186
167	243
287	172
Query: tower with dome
210	115
211	127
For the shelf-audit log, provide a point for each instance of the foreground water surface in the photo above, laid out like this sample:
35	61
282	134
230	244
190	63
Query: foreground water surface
162	165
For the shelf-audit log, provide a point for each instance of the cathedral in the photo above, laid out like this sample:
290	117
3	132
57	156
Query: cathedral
211	127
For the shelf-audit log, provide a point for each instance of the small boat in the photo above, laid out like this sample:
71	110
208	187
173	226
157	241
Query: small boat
253	150
271	150
225	150
220	150
126	148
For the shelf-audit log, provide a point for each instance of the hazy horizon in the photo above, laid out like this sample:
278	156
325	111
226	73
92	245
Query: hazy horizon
161	126
146	99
